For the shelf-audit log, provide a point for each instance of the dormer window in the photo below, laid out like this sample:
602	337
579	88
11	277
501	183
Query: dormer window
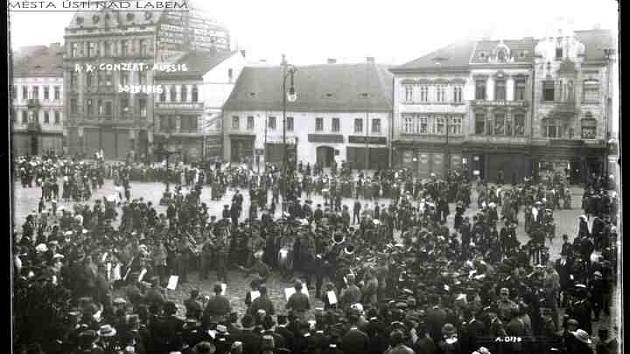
79	20
130	16
148	15
95	18
502	56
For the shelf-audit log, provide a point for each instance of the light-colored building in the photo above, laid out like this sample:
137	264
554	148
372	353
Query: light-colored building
573	100
189	109
516	107
37	98
342	113
430	110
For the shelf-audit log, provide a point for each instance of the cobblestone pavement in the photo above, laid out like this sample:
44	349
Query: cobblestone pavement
26	200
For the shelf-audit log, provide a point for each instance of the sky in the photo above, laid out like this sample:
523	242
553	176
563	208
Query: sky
392	31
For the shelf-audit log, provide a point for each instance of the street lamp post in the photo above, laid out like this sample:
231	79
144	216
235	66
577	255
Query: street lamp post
290	95
609	53
166	196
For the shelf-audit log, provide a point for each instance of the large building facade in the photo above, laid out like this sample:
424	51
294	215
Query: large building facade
506	107
37	100
342	113
104	112
188	112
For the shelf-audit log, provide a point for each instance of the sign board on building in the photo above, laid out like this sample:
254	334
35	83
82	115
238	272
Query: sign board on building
500	103
357	139
325	138
260	151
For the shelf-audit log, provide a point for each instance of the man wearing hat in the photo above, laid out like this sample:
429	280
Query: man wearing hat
354	341
251	341
582	344
298	302
87	343
194	308
262	302
218	307
107	337
397	343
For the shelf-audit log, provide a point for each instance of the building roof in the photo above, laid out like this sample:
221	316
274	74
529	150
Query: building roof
198	64
365	87
595	41
115	18
451	57
38	61
522	50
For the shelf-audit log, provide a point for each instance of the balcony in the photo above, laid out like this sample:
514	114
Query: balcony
32	103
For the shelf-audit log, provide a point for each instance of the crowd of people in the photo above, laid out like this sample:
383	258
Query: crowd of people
393	272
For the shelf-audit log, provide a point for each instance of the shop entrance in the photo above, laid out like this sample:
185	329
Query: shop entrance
325	156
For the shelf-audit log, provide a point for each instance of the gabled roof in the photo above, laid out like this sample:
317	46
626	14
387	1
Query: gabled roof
595	41
198	64
365	87
38	61
452	57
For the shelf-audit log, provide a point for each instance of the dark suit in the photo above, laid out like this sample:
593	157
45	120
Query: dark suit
355	341
251	341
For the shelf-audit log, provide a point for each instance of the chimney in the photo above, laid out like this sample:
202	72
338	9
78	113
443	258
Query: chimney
331	61
370	59
244	53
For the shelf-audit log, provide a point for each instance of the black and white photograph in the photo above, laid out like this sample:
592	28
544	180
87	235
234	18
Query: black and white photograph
314	177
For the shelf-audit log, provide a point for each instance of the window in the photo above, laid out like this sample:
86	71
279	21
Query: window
499	123
36	92
508	125
124	46
519	124
108	49
408	124
24	117
163	96
235	122
74	49
271	123
144	47
480	89
519	90
124	107
439	125
570	92
440	94
188	123
184	93
319	124
46	118
57	117
376	125
250	123
142	107
290	124
92	49
108	108
358	125
558	52
57	93
14	91
589	129
335	124
424	94
89	104
195	93
457	94
499	90
424	125
502	55
230	74
24	92
99	107
46	93
124	78
73	105
548	91
408	93
456	125
108	78
489	125
142	78
173	94
480	123
552	128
